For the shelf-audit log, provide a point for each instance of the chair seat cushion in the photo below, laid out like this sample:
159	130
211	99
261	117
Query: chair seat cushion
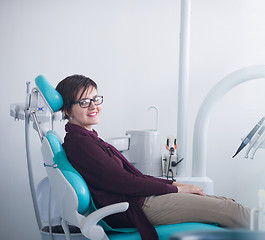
165	231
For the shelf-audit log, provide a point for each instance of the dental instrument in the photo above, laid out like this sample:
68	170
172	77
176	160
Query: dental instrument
257	145
253	143
170	161
247	139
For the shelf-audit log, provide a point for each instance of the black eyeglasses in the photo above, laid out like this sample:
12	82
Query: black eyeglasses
85	103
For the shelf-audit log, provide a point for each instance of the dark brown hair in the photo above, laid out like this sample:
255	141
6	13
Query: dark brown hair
69	88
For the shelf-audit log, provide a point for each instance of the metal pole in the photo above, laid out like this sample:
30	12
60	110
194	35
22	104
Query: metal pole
183	92
29	162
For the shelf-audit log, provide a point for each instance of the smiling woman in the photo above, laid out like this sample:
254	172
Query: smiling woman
82	105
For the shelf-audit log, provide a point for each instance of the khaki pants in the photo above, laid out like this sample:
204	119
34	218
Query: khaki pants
182	207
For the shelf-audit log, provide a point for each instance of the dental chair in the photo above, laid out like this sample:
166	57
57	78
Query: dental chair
70	191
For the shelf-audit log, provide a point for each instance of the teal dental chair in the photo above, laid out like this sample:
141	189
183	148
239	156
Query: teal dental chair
72	196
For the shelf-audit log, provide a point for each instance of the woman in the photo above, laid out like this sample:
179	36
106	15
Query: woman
112	179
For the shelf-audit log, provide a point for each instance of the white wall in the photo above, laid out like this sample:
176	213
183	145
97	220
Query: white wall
130	48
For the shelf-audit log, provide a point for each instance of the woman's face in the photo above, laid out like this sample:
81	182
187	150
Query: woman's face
85	117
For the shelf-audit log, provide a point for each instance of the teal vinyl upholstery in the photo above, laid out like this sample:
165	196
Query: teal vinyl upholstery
74	178
53	98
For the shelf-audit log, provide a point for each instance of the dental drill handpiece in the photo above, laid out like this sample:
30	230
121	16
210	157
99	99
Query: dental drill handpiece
255	140
249	136
257	145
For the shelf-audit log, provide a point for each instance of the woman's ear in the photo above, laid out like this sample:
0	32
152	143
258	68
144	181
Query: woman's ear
67	115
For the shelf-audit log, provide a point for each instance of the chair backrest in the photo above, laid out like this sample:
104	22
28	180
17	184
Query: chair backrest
68	187
71	175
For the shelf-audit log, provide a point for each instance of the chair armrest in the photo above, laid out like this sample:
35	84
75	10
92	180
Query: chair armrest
89	227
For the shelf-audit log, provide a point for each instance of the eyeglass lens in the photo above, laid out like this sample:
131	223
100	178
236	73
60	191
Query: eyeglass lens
87	102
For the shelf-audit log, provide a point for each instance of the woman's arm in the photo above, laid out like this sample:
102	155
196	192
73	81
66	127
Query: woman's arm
160	179
189	188
182	188
100	170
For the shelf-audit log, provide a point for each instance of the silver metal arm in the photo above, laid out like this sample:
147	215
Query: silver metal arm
30	171
33	113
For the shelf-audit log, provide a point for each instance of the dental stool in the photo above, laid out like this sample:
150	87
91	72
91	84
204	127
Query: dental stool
73	200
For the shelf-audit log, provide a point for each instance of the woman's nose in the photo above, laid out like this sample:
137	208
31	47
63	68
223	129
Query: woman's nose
92	105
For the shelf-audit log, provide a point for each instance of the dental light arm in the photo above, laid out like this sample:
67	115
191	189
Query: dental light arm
247	139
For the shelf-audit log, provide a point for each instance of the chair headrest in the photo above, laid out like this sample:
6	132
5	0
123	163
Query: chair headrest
72	176
52	97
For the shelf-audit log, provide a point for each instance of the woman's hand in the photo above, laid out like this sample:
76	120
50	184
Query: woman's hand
189	188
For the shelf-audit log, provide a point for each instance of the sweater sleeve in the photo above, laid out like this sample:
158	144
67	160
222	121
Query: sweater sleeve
100	171
160	179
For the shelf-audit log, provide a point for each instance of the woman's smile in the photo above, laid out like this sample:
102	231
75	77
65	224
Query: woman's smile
93	114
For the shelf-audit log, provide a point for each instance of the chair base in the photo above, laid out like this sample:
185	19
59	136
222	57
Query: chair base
164	232
58	233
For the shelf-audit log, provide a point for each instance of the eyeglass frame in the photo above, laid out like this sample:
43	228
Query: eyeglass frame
90	101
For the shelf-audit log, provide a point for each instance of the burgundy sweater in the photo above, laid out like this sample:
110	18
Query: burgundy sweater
113	179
